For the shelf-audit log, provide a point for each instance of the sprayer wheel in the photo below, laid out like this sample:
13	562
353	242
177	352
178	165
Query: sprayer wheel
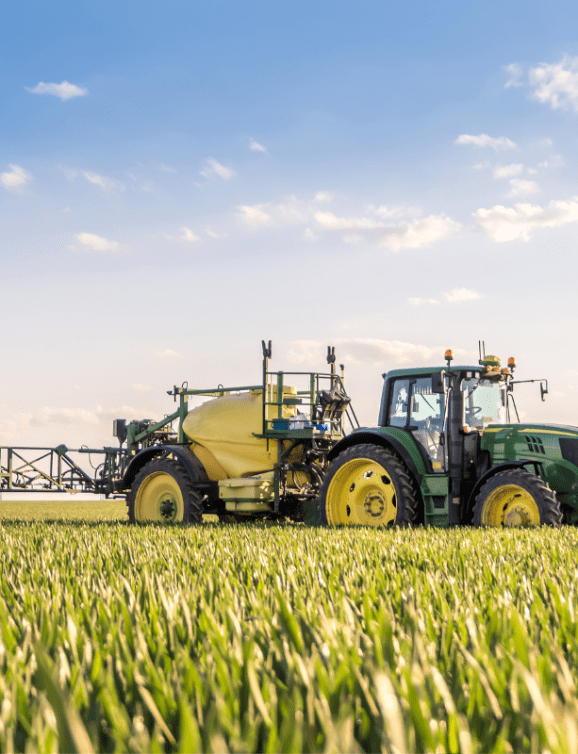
162	492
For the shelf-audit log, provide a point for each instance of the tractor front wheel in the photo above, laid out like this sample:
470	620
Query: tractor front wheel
367	485
516	497
162	492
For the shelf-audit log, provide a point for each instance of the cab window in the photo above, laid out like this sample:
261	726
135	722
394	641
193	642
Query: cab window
426	406
399	403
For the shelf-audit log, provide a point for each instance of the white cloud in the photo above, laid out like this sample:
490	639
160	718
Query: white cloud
508	171
556	83
368	225
515	71
15	178
458	294
420	301
254	146
213	168
353	238
547	142
521	221
554	161
520	187
366	350
188	235
106	184
48	415
213	234
329	221
387	212
420	232
142	388
255	215
292	210
97	243
65	90
167	354
70	173
127	412
165	168
13	430
498	144
323	196
461	294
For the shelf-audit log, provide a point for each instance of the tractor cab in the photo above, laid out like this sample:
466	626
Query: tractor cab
446	412
441	407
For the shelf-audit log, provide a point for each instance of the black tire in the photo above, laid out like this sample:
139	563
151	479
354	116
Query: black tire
368	485
163	492
516	497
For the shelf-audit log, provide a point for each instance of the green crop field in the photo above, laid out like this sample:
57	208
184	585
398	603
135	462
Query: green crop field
285	638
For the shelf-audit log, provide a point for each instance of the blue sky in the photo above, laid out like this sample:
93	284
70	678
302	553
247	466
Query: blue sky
180	180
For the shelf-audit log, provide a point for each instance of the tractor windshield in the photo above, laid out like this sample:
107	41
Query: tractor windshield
485	401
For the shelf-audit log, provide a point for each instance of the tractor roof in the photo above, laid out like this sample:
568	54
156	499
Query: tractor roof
418	371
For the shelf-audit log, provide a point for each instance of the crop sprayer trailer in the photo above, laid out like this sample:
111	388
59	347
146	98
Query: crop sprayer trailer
250	451
446	451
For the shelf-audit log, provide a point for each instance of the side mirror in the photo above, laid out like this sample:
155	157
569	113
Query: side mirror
437	383
543	390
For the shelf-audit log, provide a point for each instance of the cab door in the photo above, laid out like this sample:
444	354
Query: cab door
426	421
415	407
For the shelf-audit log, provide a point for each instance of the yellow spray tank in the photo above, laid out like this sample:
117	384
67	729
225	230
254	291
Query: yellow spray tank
227	438
226	432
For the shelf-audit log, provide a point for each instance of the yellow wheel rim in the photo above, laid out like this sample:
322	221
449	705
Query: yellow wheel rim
361	492
159	498
510	505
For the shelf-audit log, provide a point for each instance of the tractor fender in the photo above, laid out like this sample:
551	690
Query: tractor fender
495	470
190	463
384	441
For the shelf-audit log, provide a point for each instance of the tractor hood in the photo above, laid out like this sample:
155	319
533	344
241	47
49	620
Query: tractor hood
508	442
554	448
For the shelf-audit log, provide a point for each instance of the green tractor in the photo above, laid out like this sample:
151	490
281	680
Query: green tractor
447	452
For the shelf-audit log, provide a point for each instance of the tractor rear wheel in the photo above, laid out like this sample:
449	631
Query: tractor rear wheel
163	492
516	497
367	485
